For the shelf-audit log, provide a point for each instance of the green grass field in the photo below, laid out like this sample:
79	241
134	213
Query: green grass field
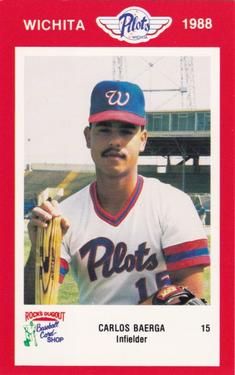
68	293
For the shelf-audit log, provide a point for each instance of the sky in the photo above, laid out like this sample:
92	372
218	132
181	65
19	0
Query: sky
56	96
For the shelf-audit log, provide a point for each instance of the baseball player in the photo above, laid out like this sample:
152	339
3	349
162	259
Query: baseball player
128	239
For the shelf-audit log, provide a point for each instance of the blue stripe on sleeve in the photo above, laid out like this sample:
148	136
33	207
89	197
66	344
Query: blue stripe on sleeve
63	271
186	255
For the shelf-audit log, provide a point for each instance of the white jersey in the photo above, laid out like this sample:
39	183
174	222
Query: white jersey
122	259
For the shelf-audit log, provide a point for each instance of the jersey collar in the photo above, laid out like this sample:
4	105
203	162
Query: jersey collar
115	220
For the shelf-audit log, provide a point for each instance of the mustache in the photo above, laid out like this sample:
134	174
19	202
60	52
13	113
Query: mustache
113	152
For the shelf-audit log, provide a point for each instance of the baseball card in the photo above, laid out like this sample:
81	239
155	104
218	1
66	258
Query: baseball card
117	145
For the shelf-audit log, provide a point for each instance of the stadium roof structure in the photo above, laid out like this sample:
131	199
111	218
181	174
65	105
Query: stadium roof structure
178	133
177	145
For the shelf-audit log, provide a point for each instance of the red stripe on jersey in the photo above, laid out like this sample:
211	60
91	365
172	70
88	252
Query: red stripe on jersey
185	246
64	268
64	264
197	261
120	216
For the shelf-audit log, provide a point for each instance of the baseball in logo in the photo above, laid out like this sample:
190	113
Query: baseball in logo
134	25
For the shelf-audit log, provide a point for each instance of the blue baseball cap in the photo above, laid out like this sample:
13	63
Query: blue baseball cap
117	100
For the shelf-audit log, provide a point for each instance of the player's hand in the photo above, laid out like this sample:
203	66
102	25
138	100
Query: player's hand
41	215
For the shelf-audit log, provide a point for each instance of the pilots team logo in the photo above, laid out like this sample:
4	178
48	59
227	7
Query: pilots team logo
134	25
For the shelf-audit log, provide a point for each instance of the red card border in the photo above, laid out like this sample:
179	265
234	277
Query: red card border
12	34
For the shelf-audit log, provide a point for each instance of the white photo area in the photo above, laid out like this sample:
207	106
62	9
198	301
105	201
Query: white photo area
181	90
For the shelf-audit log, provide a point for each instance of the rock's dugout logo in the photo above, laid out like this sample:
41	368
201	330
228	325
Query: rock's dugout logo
134	25
43	327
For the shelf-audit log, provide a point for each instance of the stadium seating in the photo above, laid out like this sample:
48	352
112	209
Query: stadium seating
196	182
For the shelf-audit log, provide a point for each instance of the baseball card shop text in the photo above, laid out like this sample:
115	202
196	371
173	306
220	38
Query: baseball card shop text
43	326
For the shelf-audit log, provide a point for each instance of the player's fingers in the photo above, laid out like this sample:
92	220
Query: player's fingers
36	222
64	225
52	207
57	211
39	223
41	214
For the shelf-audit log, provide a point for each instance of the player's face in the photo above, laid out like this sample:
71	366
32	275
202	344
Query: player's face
115	146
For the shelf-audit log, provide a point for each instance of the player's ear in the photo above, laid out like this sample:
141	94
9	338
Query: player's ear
143	139
87	133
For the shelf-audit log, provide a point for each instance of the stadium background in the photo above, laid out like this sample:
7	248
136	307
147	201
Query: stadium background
184	143
177	152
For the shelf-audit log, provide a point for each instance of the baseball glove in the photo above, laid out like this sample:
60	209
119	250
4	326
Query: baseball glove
174	295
